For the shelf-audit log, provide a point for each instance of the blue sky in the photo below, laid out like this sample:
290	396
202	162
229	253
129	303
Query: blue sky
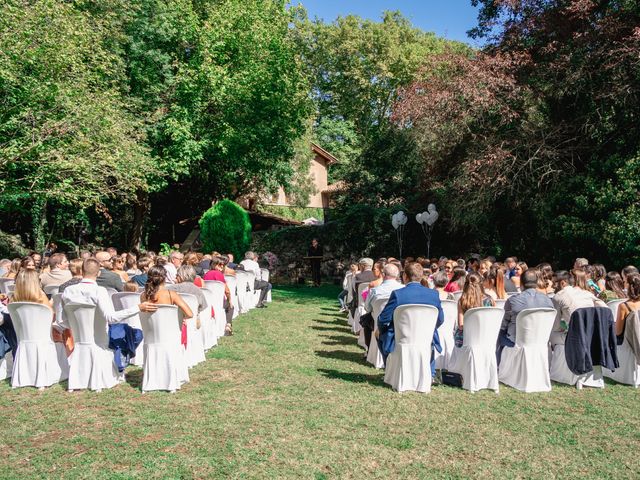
447	18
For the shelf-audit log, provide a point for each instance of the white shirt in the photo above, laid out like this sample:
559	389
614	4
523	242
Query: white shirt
381	291
252	266
88	291
172	271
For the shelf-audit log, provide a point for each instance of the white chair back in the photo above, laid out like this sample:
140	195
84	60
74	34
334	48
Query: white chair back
124	300
57	305
265	274
87	327
457	295
111	291
534	325
217	288
232	283
450	309
500	302
377	305
242	279
210	330
11	287
4	282
349	288
31	321
481	326
361	288
192	301
162	326
614	305
51	289
414	324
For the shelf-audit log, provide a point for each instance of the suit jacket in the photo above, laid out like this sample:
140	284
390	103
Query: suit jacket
591	340
413	293
109	279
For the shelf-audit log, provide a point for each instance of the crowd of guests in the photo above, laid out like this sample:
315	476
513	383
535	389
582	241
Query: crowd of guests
93	276
485	282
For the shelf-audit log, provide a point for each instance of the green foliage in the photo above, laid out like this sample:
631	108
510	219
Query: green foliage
292	212
226	227
165	249
11	246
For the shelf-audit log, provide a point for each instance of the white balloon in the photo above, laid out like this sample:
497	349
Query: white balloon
431	207
394	222
419	218
432	217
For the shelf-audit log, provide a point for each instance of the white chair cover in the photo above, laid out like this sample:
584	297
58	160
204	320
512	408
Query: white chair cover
374	357
243	278
194	353
628	372
37	363
209	331
51	289
445	333
92	364
6	365
4	282
232	283
500	302
266	275
252	300
220	322
476	359
613	305
525	366
165	367
559	372
11	287
122	301
356	327
409	365
456	295
349	298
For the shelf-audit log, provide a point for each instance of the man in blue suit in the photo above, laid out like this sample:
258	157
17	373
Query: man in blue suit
412	293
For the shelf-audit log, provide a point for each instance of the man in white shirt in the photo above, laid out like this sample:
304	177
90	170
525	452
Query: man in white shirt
249	264
175	261
88	291
567	300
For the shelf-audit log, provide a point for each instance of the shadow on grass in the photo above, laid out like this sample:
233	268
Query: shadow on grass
334	315
375	380
328	322
339	340
303	294
337	328
134	378
357	357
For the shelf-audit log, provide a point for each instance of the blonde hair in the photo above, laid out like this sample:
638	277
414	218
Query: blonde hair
28	288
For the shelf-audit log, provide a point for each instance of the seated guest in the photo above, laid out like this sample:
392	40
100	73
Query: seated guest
572	293
75	267
231	264
27	263
37	259
485	266
630	306
440	280
216	268
88	291
58	271
626	271
494	283
365	275
184	284
171	267
250	264
613	287
27	289
389	284
14	268
599	276
130	265
377	272
117	267
5	265
580	263
204	263
144	264
473	296
155	292
510	263
342	297
191	258
107	278
521	267
473	265
529	298
457	277
412	293
546	276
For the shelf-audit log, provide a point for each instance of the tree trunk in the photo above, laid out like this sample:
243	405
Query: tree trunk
140	208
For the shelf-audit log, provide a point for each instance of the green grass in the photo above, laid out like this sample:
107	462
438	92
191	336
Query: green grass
289	396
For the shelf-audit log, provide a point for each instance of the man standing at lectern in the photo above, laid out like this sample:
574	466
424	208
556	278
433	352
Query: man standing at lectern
315	250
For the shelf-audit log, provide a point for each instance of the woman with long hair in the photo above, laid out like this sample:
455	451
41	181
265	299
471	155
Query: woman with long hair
155	292
613	287
27	263
456	280
28	289
494	283
117	264
631	305
377	272
521	267
473	296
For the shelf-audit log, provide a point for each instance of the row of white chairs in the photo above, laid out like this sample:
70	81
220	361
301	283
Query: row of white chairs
529	366
40	362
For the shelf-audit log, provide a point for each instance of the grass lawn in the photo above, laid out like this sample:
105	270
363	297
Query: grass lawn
289	396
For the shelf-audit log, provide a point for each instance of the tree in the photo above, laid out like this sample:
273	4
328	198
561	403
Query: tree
225	227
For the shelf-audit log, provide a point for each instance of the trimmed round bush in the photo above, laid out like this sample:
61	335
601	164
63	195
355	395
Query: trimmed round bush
226	227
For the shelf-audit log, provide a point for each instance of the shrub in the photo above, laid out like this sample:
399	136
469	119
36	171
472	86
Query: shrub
226	227
11	246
